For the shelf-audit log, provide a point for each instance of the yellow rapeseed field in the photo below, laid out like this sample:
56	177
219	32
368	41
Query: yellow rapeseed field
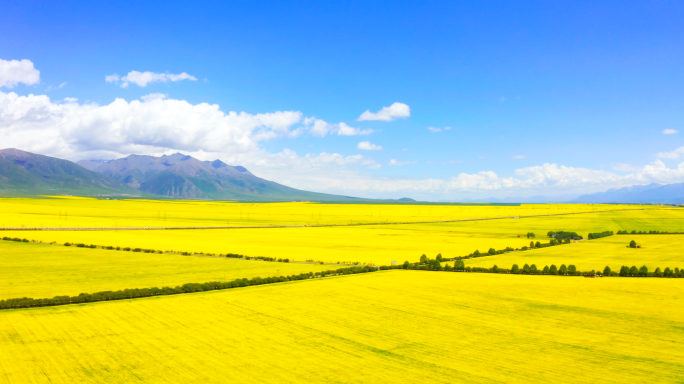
657	251
89	212
383	327
39	271
372	244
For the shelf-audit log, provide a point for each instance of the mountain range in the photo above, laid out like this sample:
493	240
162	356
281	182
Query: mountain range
183	176
176	176
639	194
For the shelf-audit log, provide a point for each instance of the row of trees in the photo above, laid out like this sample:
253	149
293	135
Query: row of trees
26	302
598	235
564	235
569	270
625	232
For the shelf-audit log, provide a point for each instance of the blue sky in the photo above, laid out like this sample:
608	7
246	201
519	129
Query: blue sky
542	98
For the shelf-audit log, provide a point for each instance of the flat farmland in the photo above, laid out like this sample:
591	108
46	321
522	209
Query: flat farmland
88	212
658	251
38	270
372	244
390	327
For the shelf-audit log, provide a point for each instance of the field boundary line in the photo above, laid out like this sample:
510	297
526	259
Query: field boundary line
296	226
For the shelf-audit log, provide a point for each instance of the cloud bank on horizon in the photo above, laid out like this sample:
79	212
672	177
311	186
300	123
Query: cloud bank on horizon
157	125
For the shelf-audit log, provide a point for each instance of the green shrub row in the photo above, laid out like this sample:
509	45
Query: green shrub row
625	232
26	302
563	270
599	235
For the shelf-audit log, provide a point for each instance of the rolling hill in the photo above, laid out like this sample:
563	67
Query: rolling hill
183	176
25	173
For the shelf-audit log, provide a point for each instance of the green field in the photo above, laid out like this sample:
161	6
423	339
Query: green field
657	251
39	270
389	327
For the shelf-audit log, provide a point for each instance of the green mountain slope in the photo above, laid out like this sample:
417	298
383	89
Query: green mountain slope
183	176
25	173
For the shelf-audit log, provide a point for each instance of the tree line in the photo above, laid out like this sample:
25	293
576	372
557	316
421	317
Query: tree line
625	232
563	270
599	235
26	302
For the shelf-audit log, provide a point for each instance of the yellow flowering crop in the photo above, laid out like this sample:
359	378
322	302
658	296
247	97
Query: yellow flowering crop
382	327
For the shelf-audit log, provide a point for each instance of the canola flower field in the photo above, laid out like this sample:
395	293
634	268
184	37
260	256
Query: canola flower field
391	327
376	244
44	271
657	251
68	212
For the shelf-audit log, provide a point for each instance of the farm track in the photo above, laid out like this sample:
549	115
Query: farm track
295	226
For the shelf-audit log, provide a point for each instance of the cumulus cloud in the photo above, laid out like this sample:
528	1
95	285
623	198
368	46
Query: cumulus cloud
321	128
669	131
396	162
155	96
396	110
367	146
13	72
141	79
676	154
517	157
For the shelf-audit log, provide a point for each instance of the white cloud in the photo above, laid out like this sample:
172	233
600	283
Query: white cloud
669	131
435	130
155	96
13	72
387	113
141	79
322	128
50	88
367	146
517	157
396	162
676	154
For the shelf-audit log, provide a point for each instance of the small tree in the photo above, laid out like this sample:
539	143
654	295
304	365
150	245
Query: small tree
423	259
406	264
530	235
550	233
572	269
495	268
667	272
526	268
537	245
658	273
606	271
563	270
492	251
533	268
459	265
553	242
531	244
632	244
546	269
566	240
477	253
633	271
439	257
643	271
624	271
515	268
553	270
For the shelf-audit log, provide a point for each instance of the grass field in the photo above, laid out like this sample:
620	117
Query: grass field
376	244
88	212
657	251
38	271
389	327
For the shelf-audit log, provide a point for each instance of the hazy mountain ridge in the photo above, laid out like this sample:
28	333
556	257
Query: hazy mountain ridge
639	194
184	176
27	173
